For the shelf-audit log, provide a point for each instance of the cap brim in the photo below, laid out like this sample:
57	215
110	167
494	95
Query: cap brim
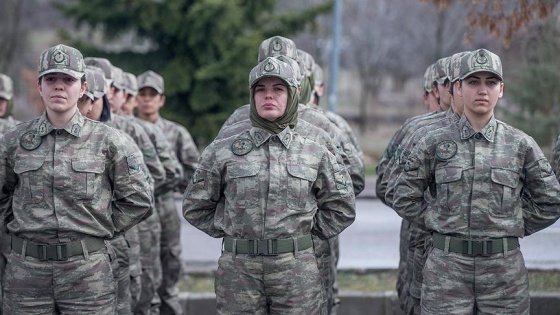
6	96
150	86
75	74
485	70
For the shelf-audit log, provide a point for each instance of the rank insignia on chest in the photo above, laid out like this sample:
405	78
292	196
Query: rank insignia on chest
446	150
241	146
30	140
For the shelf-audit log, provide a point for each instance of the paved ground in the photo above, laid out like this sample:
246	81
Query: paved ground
371	242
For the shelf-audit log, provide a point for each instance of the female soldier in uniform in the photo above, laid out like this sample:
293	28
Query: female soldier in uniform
492	185
69	184
265	191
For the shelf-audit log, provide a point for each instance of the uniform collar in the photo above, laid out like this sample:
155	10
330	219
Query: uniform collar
73	127
487	132
260	136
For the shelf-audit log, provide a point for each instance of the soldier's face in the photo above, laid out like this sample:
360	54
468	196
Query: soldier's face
116	99
444	96
129	106
84	106
60	92
481	92
271	98
3	106
96	109
149	101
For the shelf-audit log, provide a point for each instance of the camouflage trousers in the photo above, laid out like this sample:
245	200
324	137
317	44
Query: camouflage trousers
135	266
403	274
170	254
326	252
149	232
121	273
284	284
5	250
419	241
80	285
453	283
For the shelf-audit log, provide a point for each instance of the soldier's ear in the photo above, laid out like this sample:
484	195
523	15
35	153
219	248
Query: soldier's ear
459	88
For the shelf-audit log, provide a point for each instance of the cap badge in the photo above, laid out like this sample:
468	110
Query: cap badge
277	45
482	58
269	66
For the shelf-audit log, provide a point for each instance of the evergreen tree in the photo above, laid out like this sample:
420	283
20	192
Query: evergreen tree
204	49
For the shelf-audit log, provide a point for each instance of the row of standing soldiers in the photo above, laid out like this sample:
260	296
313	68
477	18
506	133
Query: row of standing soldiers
467	186
88	187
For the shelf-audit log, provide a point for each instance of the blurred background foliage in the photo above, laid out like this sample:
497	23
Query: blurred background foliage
206	48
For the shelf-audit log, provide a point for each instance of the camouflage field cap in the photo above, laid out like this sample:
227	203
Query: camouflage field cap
6	87
306	62
455	65
295	66
62	59
442	65
481	60
90	79
131	87
318	75
277	46
428	78
101	86
150	79
119	80
103	64
273	67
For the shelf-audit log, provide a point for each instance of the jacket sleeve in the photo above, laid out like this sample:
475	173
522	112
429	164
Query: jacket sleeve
540	194
335	198
132	193
203	194
412	179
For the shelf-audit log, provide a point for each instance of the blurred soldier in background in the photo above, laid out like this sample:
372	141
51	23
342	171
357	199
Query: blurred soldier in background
150	100
6	102
419	240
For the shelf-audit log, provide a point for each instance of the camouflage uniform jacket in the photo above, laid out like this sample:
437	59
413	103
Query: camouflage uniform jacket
482	181
422	127
166	155
400	135
185	148
143	142
343	125
555	161
60	185
259	185
350	156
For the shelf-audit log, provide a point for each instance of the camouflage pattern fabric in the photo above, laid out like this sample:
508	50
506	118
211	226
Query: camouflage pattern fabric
311	115
509	168
187	154
78	285
296	211
6	87
121	273
500	282
132	237
555	160
48	190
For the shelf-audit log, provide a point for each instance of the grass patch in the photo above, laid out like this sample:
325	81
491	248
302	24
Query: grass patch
377	281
